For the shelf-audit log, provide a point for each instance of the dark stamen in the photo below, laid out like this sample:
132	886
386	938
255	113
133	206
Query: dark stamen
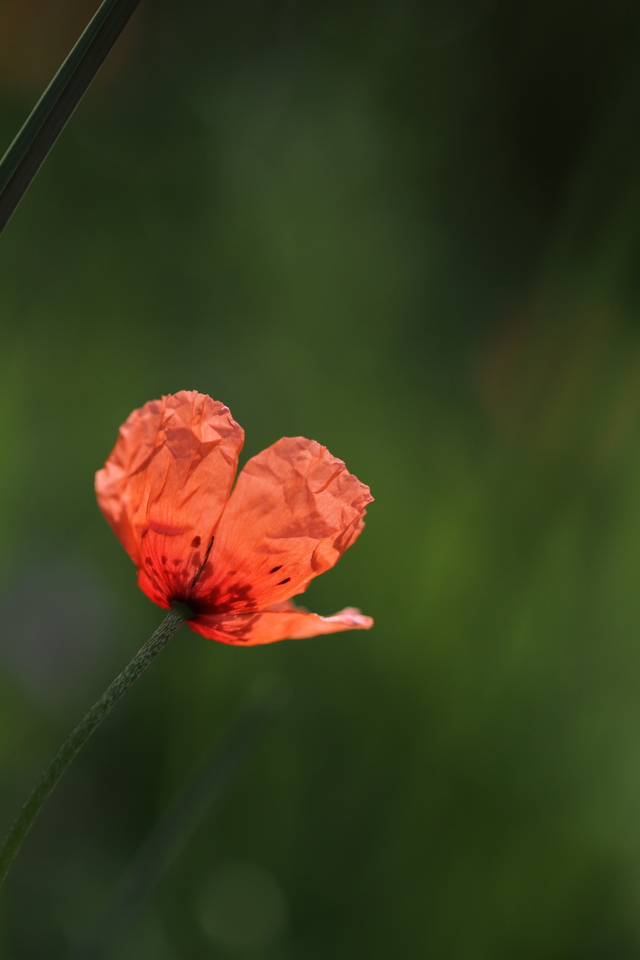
206	557
275	569
286	580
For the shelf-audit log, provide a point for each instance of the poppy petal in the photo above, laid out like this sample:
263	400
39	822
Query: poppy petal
294	510
165	485
281	622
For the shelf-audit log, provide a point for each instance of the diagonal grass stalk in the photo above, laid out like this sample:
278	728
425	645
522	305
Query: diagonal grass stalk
81	733
223	766
46	121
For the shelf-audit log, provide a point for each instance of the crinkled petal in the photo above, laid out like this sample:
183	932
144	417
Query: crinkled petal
281	622
164	487
294	510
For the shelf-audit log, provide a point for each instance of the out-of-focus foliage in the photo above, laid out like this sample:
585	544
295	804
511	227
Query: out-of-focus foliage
409	230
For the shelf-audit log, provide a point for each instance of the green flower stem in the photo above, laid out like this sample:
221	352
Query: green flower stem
170	625
227	760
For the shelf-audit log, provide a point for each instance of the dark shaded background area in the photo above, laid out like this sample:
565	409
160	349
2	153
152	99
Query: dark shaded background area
410	231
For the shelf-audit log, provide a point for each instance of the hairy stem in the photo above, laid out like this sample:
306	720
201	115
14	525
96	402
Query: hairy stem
81	733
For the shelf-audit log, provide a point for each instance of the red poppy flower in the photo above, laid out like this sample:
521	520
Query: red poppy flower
234	557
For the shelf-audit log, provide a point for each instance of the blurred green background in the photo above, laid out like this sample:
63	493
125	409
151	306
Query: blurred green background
411	231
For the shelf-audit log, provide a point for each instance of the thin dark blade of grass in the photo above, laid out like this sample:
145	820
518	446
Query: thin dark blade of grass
167	840
46	121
